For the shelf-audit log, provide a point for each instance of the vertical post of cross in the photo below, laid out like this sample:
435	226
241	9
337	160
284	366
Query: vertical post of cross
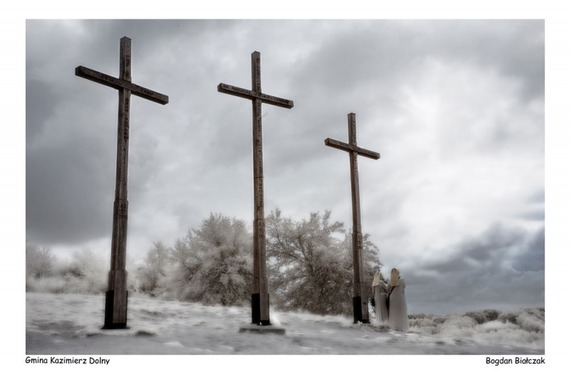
359	288
116	296
260	283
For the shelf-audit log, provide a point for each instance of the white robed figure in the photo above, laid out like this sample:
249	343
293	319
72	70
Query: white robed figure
397	307
379	291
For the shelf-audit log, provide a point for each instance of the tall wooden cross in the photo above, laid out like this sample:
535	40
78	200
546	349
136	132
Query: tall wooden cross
260	294
360	289
116	295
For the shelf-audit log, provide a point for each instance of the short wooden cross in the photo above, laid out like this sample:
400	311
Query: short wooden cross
360	289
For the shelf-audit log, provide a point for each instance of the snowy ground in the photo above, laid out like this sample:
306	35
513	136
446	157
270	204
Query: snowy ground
70	324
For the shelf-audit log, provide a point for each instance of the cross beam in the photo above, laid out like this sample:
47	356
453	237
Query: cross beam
351	148
252	95
360	289
120	84
116	295
260	294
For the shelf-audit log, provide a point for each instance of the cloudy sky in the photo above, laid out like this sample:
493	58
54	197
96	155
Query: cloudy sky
455	108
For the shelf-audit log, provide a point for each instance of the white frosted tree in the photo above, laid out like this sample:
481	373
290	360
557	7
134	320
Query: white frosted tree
311	263
152	275
39	262
41	267
213	264
87	273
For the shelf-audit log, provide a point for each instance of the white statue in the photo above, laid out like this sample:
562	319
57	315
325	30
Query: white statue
379	292
397	307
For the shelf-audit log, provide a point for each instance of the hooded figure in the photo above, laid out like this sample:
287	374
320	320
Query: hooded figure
398	310
379	291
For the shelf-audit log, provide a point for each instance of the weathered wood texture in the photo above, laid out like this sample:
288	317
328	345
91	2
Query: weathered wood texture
260	292
116	302
119	83
360	289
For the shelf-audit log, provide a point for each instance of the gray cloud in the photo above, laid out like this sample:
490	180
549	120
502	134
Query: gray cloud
503	268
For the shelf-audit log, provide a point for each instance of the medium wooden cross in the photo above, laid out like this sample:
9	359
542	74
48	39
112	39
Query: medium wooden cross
116	295
360	289
260	294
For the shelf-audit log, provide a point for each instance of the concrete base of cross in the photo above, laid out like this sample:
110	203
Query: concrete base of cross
256	329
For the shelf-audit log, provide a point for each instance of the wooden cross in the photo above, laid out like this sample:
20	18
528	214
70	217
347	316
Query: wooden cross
260	294
360	289
116	295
